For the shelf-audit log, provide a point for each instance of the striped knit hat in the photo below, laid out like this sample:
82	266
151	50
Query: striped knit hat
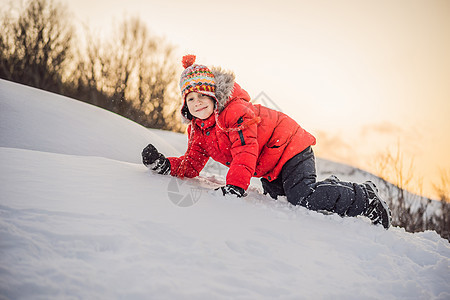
195	78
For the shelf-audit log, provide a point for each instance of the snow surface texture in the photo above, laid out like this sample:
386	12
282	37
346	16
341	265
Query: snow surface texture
80	217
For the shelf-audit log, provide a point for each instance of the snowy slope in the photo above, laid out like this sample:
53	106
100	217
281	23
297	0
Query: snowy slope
80	217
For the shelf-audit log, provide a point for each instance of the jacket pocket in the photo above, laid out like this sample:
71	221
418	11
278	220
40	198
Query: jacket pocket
241	135
276	144
269	156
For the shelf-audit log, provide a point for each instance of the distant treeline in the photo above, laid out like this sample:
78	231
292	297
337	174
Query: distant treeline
412	212
130	73
416	213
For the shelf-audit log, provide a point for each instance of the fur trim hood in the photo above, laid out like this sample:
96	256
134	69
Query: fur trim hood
224	86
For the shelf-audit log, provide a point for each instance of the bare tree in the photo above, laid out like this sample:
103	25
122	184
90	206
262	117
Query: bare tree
413	213
135	71
391	167
443	191
36	45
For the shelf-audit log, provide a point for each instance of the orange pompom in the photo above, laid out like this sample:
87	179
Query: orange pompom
188	60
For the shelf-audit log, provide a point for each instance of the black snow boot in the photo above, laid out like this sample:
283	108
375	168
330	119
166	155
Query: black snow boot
377	211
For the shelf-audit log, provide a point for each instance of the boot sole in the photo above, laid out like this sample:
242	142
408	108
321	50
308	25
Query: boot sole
383	203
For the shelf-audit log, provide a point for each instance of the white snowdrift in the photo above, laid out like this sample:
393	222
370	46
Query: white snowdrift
80	217
38	120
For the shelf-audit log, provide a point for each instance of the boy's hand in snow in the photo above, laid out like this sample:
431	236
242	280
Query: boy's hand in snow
155	161
230	189
149	155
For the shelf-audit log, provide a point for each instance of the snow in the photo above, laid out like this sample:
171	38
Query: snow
81	217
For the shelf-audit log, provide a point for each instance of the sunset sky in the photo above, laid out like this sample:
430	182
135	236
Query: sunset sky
363	76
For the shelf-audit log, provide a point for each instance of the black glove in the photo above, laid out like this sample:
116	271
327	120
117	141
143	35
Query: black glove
230	189
155	161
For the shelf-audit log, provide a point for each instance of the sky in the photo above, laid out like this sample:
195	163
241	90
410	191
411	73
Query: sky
365	77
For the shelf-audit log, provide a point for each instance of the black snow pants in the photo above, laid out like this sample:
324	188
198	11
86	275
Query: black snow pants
297	181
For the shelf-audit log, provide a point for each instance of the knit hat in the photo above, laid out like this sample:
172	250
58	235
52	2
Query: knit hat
195	78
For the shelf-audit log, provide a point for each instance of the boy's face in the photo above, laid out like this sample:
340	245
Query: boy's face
199	105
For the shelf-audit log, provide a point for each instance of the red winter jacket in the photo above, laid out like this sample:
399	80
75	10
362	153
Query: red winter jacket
250	139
